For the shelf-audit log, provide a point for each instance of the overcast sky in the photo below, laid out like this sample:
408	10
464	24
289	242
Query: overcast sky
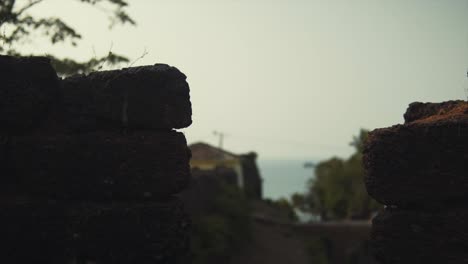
289	79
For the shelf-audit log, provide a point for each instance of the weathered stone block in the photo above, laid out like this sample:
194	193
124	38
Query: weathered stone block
133	233
28	88
97	166
155	97
418	111
422	162
57	233
420	236
34	234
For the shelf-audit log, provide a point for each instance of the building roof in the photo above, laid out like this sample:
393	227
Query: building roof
203	151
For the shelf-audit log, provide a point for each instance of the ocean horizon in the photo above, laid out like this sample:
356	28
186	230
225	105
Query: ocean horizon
282	178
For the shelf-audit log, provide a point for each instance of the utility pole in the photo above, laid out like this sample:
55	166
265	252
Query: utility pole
221	138
466	88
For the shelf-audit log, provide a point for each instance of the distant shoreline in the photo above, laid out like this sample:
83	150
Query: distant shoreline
282	178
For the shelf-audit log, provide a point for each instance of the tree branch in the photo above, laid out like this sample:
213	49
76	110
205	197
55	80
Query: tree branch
6	11
145	52
118	15
26	7
15	14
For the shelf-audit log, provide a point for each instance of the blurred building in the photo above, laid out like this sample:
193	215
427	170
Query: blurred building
207	159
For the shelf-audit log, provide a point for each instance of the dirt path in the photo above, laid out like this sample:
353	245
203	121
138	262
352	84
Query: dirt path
273	245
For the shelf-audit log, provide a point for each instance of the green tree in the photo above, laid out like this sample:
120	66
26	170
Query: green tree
338	191
218	234
15	16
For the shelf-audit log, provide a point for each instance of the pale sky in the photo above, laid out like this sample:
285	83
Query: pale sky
288	79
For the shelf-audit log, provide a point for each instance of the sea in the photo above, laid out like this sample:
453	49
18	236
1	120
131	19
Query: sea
282	178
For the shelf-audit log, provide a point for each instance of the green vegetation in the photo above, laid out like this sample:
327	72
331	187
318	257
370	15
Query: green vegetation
338	191
17	27
218	235
283	209
319	250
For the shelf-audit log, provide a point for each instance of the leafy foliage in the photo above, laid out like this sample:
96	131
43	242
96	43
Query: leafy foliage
338	190
283	208
14	14
319	250
217	235
210	239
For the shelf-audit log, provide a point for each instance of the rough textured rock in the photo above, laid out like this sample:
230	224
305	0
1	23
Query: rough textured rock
420	169
155	97
417	111
28	88
415	236
89	165
133	233
34	234
97	166
54	232
422	162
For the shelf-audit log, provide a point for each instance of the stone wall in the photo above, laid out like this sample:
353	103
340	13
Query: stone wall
419	170
252	179
90	164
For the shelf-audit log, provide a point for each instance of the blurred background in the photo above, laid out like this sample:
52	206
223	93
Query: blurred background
283	95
